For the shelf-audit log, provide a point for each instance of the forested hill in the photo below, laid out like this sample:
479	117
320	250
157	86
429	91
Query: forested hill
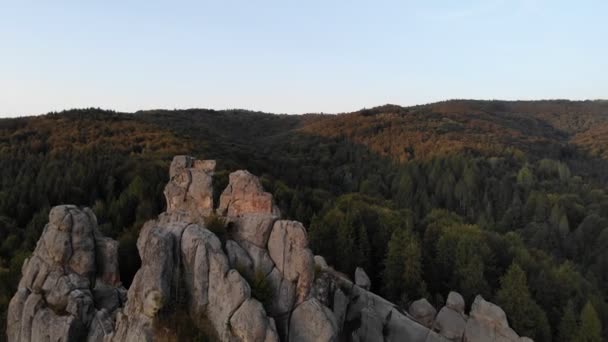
453	195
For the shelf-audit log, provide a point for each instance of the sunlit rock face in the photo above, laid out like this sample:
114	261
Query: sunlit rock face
190	190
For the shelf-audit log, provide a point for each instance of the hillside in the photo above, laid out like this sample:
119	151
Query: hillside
474	186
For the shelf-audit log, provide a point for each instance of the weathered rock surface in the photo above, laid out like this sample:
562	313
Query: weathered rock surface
190	188
245	195
423	312
288	248
311	321
450	324
249	323
455	302
488	320
252	227
239	259
70	285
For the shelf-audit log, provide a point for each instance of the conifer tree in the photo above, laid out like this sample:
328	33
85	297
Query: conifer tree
525	316
590	328
403	269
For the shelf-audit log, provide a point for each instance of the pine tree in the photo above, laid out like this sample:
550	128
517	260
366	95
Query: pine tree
514	297
403	269
590	328
469	267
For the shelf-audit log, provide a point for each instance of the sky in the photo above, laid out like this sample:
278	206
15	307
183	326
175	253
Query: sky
296	56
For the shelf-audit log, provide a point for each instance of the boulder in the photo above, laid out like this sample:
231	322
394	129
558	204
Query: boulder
179	164
190	188
239	259
151	289
455	302
423	312
288	248
283	294
488	321
490	312
320	263
362	279
245	195
450	324
311	321
262	264
249	323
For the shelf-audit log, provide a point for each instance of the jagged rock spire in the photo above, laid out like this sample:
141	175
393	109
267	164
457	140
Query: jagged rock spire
190	190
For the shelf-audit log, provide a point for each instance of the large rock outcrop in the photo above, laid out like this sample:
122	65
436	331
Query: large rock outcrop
184	264
257	281
270	251
70	287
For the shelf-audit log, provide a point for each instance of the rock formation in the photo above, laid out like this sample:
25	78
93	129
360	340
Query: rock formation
181	258
70	288
257	281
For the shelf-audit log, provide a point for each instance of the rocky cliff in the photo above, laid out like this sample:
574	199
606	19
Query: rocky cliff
239	271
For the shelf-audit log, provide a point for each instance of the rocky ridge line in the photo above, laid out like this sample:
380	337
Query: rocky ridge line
71	281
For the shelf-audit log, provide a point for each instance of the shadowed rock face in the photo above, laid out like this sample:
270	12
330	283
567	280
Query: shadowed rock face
70	288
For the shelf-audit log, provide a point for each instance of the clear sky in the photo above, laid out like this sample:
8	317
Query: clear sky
296	56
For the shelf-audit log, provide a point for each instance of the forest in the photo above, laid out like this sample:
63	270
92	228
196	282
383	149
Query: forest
504	199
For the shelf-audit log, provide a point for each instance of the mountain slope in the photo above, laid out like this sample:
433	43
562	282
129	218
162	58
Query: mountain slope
525	183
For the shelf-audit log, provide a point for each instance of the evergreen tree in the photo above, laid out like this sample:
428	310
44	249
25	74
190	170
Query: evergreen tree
514	298
590	328
469	268
403	270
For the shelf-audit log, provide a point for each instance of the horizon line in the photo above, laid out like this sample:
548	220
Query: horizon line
301	113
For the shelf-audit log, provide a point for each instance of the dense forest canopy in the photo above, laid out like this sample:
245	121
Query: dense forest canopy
505	199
